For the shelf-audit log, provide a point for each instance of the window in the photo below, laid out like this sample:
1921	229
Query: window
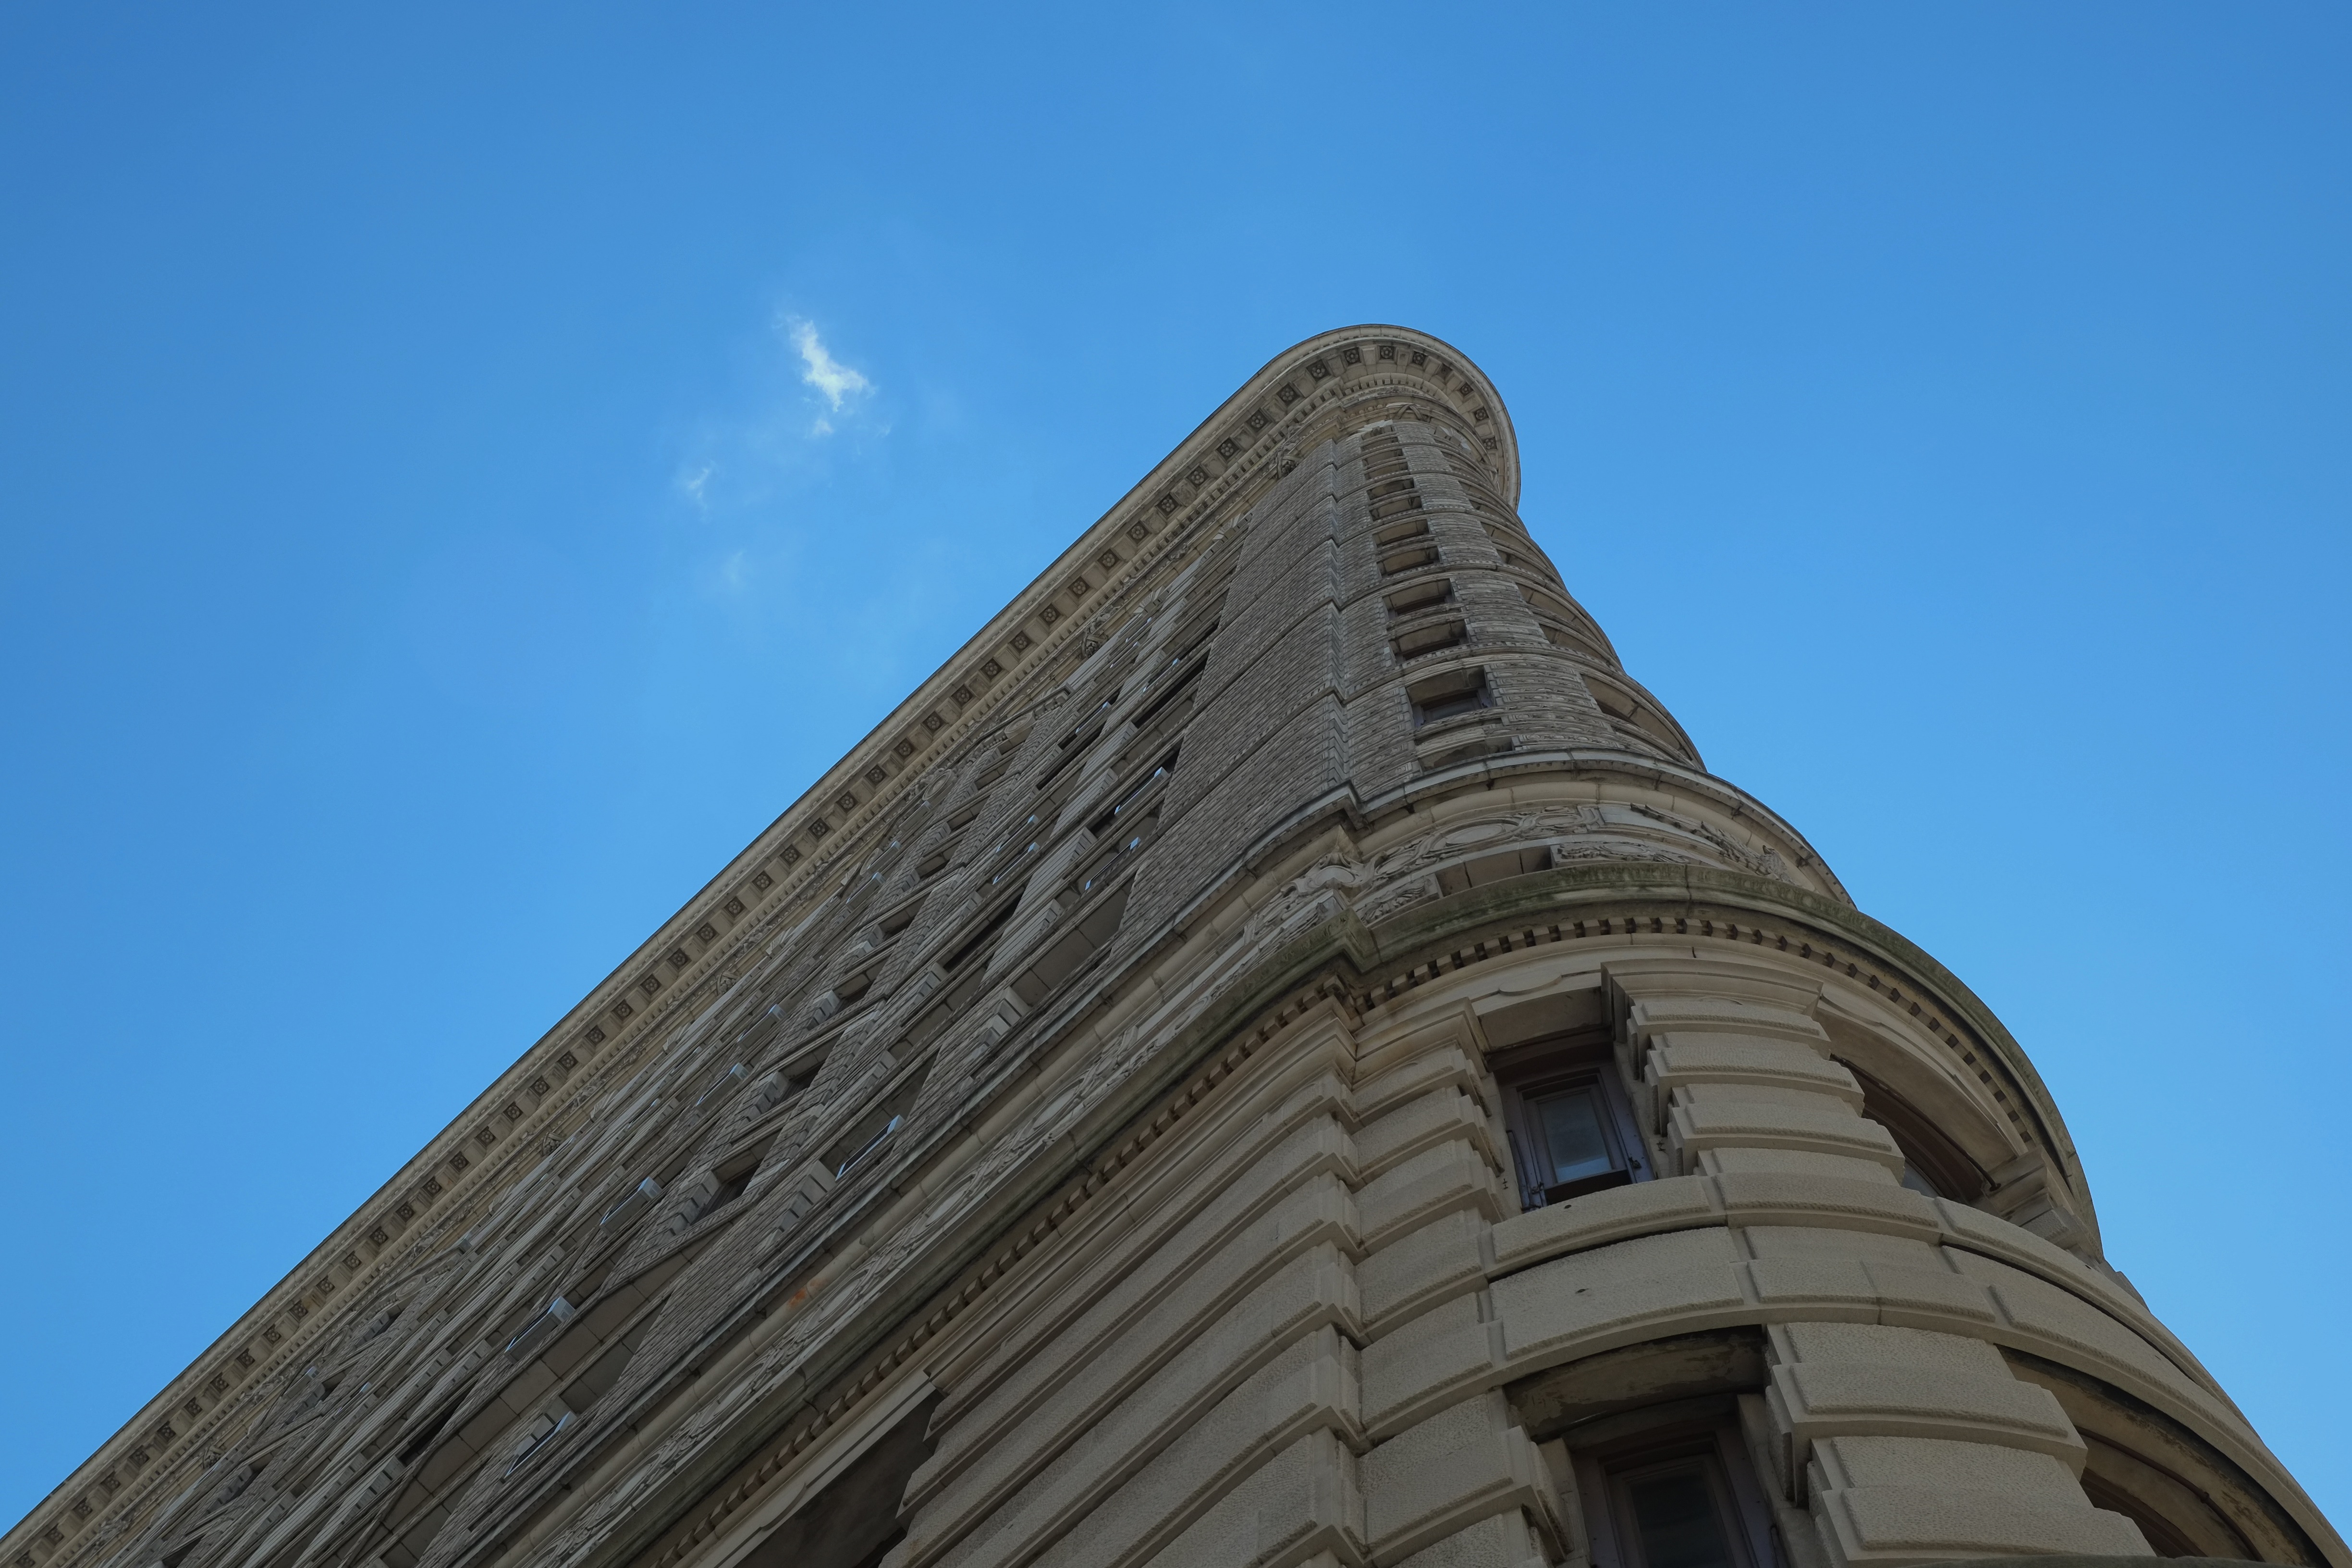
1111	859
733	1179
1102	826
2187	1499
1383	455
540	1328
1539	599
1561	638
1391	496
1166	689
413	1449
853	1521
1079	941
1425	595
545	1428
1630	712
1392	488
729	1083
1570	1127
1933	1161
1408	559
2162	1539
851	1158
871	1131
1449	695
1502	533
1689	1502
1430	638
643	1197
1073	746
985	930
778	1087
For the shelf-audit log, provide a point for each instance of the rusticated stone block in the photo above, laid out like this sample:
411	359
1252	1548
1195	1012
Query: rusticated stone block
1675	1203
1299	1506
1895	1500
1439	1117
1681	1058
1460	1466
1144	1045
1862	1379
1443	1258
1501	1540
1453	1176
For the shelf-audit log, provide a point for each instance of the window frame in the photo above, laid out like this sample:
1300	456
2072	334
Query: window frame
1435	635
1411	556
1429	593
1721	1457
731	1178
1451	686
1937	1157
1529	1072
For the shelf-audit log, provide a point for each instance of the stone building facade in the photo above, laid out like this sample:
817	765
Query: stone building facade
1278	1054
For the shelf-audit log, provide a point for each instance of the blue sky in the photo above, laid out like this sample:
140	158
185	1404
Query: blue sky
430	549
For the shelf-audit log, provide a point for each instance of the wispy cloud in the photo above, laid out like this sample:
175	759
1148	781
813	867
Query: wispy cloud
837	381
754	471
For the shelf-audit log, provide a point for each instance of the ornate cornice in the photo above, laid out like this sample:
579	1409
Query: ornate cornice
1225	463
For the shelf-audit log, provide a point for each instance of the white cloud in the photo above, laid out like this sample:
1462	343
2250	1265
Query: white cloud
836	380
742	465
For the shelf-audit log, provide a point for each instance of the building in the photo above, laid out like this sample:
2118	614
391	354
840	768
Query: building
1278	1054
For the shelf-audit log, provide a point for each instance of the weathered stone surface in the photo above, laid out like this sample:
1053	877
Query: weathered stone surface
1128	1112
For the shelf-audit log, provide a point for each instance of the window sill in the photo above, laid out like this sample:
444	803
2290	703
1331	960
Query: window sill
1443	731
1561	1191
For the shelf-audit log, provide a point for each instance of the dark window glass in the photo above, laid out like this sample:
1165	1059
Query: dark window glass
1677	1519
1571	1131
1572	1134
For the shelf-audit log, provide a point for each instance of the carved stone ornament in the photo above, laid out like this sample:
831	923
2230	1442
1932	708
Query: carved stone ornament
1036	1034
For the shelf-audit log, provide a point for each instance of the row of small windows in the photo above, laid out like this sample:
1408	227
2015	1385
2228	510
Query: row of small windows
1409	548
1095	897
1405	547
